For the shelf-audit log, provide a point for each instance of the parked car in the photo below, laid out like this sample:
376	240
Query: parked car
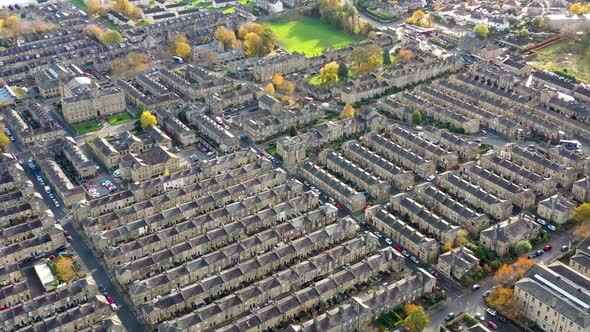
405	253
565	247
430	178
547	247
114	307
492	312
480	316
541	221
388	241
493	325
110	300
438	276
486	293
450	316
477	140
102	289
552	228
415	260
378	234
430	270
540	252
476	287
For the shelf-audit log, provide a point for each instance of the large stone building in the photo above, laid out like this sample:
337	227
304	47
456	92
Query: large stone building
84	100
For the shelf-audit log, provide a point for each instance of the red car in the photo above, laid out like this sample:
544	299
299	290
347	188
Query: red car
492	325
110	300
438	276
548	247
398	248
340	207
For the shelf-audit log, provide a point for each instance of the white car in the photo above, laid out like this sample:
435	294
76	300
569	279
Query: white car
491	312
388	241
480	316
114	307
541	221
378	234
430	178
551	228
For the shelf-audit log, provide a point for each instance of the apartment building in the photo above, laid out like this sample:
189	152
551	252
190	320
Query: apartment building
401	156
555	297
465	149
293	150
222	137
458	263
146	165
500	237
581	190
84	166
474	195
424	148
222	101
66	190
39	128
581	260
354	173
175	128
90	103
381	167
341	192
423	247
557	209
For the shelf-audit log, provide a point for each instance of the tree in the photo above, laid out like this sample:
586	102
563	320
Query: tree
405	55
292	131
582	213
342	71
447	247
502	299
462	238
269	39
524	246
130	64
579	8
93	31
166	172
183	50
174	41
386	57
524	33
539	22
269	89
64	268
419	18
287	87
481	31
42	26
148	119
509	274
329	73
366	59
417	117
95	7
347	112
253	44
111	37
278	79
225	36
4	141
416	318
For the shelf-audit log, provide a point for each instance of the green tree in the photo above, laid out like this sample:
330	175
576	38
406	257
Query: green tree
292	131
539	22
582	213
417	117
416	318
524	246
366	59
386	57
342	71
524	33
111	37
482	31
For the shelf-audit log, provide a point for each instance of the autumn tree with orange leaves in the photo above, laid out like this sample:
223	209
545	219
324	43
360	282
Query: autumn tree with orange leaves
502	299
509	274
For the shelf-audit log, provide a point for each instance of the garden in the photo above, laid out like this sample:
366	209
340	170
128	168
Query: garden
86	127
569	57
120	118
308	35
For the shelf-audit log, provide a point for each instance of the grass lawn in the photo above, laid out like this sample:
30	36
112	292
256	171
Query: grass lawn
110	24
120	118
271	150
566	54
80	4
309	36
86	127
249	3
199	3
19	92
228	10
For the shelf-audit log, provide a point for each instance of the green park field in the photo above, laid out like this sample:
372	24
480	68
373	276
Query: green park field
308	35
574	56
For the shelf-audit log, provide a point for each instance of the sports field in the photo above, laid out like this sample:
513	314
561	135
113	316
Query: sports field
573	56
308	35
